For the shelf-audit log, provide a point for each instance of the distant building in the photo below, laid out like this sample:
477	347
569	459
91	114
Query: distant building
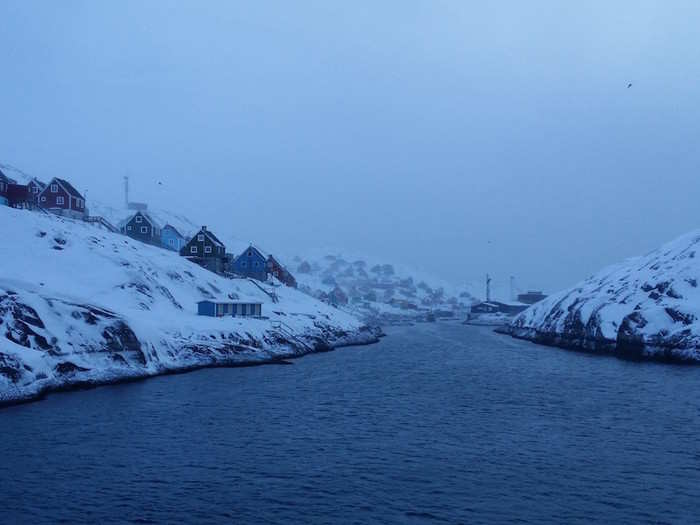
229	308
171	239
493	307
338	296
61	198
25	196
531	297
206	250
279	272
251	263
5	182
142	227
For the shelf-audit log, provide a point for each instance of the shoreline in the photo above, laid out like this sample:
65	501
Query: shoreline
364	337
636	351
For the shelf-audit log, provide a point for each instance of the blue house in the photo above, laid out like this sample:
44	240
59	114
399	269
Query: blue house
251	263
171	239
229	308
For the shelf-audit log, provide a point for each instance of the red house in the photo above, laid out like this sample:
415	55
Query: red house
5	182
276	269
25	196
61	198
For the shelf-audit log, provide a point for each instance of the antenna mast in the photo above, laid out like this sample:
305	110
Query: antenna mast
126	192
488	288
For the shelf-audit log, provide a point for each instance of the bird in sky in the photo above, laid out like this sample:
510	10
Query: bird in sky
629	85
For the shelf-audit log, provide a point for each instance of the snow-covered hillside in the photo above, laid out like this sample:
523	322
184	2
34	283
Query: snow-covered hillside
79	304
645	307
377	292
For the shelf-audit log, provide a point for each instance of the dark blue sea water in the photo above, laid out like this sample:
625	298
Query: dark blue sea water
440	423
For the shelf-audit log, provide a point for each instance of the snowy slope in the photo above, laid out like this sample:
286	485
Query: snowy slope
80	304
646	307
378	291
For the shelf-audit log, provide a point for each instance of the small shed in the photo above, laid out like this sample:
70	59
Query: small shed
229	308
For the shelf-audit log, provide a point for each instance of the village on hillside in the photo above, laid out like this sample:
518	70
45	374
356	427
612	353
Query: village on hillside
372	291
61	198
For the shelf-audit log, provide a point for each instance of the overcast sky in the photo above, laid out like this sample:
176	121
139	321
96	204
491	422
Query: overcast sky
457	137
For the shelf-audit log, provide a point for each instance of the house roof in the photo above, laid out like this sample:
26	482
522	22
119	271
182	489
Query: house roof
7	179
145	215
68	187
173	228
213	238
262	253
36	181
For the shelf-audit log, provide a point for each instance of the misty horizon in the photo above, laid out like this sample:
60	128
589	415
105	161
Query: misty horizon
455	139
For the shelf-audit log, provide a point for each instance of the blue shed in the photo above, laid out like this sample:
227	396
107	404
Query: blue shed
229	308
171	239
251	263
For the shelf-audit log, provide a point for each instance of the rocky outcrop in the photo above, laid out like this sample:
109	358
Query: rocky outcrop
645	308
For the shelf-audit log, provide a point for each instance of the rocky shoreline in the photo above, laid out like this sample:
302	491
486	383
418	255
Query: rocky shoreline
70	376
628	348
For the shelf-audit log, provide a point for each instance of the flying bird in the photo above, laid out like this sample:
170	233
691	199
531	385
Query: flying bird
629	85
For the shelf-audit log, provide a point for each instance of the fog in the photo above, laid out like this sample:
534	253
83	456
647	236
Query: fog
455	137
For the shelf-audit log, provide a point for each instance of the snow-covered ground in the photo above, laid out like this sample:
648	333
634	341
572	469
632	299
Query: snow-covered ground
647	306
377	291
79	304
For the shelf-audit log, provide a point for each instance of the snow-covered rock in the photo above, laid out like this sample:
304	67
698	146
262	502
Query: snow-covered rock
79	305
647	306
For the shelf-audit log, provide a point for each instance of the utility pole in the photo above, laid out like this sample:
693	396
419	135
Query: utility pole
488	288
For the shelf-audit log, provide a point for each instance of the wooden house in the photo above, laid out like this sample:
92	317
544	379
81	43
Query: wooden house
251	263
25	196
61	198
275	268
142	227
338	297
5	182
171	239
229	308
206	250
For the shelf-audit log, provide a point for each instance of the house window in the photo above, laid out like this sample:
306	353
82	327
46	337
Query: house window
244	264
59	200
171	242
54	188
207	249
250	254
193	249
128	228
144	229
35	189
200	237
43	199
138	218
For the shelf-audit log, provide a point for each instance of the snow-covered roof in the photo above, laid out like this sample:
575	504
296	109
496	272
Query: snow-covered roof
145	215
213	238
174	229
69	188
252	247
